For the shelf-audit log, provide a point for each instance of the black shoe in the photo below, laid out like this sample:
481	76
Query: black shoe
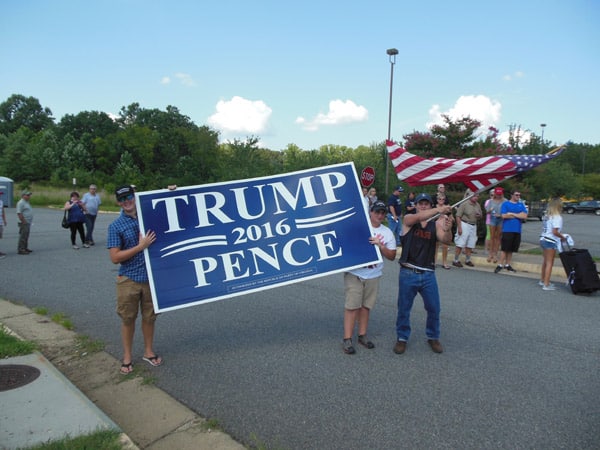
400	347
457	264
362	340
509	268
497	269
470	264
348	348
23	252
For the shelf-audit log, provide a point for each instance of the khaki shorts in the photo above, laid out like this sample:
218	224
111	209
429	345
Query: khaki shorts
130	297
359	292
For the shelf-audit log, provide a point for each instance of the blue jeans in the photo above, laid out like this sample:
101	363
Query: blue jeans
396	227
409	285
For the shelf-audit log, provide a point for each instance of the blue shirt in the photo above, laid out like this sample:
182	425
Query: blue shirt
92	203
124	233
396	202
76	214
512	225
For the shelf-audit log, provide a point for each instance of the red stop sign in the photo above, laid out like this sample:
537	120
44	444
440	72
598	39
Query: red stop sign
367	177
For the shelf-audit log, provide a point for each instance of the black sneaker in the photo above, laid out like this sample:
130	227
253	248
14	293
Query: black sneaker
457	264
509	268
362	340
348	348
497	269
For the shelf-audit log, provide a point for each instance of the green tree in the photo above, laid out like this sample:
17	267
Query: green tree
12	161
552	179
590	185
43	155
126	172
20	111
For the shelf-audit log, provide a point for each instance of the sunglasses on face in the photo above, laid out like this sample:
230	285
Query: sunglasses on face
125	198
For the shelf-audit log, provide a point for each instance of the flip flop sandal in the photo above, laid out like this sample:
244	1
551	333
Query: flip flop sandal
153	360
126	369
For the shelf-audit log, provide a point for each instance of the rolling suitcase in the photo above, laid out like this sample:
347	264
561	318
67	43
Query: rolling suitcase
581	270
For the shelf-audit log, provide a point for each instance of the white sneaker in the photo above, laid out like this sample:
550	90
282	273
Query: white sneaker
550	287
541	283
75	247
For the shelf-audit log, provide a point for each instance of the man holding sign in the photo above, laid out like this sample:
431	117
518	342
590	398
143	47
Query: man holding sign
126	246
361	285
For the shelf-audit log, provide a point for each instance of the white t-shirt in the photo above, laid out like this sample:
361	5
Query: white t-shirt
389	241
549	223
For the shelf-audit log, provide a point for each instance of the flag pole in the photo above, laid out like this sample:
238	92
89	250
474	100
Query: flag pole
483	189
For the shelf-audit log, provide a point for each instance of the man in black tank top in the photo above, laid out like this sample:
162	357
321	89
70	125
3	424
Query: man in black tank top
420	232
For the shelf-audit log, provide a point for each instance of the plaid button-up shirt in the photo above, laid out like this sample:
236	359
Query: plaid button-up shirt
124	233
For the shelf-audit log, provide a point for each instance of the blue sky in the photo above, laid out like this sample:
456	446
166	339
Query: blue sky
313	73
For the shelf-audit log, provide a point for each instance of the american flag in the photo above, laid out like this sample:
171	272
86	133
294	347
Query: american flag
475	173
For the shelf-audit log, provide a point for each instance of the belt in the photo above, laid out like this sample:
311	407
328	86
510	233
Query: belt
412	269
469	223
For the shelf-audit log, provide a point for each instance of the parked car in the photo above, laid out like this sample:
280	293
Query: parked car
591	206
536	210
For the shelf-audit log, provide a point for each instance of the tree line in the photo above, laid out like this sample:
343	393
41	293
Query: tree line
152	148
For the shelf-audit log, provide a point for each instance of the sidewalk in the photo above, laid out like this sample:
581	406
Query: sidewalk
82	395
526	265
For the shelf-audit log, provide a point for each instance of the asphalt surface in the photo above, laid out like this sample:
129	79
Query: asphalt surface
520	367
584	229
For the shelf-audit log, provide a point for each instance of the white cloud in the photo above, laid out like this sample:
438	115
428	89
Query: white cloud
340	112
509	77
524	136
184	78
240	115
477	107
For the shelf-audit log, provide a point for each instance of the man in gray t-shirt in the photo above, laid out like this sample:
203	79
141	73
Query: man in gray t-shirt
25	215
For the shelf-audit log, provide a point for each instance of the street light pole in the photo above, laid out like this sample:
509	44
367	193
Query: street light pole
392	52
543	125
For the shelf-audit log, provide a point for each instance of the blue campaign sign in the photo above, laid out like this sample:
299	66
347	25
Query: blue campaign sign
221	240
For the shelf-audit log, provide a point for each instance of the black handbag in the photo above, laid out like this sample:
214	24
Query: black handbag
65	221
